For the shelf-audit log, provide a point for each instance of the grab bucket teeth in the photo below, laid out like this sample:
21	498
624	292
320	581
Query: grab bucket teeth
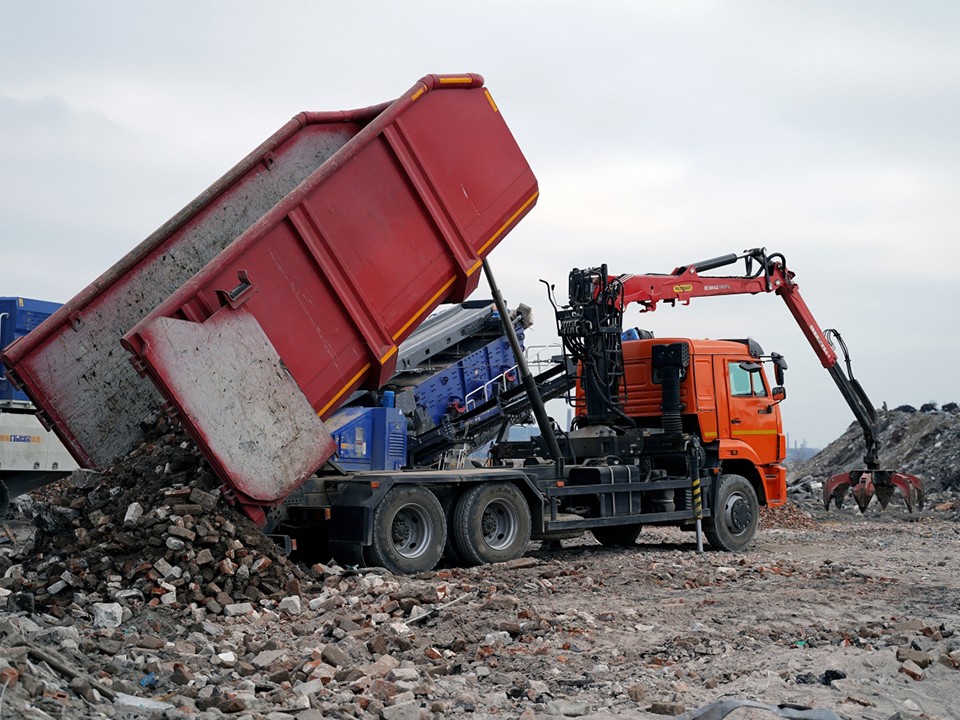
864	484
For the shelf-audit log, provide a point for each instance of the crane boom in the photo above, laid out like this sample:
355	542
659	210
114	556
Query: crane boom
764	274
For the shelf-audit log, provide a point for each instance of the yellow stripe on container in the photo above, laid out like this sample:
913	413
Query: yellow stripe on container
507	224
344	389
426	305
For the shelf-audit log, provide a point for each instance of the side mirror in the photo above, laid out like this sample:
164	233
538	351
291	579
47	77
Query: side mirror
779	366
779	393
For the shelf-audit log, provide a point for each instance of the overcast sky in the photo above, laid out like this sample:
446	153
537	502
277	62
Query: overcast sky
661	133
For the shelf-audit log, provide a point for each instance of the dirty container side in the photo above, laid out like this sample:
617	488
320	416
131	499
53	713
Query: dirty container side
73	368
335	277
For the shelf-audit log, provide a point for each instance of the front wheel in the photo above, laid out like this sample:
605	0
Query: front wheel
735	517
491	523
409	530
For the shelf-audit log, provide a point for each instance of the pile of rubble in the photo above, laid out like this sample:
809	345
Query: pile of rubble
560	634
924	442
141	581
787	516
140	590
151	530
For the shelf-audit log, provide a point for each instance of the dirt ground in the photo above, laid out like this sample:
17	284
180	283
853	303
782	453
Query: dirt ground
856	615
768	624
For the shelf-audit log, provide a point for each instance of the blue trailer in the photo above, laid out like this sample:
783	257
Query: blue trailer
30	456
18	316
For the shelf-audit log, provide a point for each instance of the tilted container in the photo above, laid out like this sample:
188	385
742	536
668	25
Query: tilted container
289	283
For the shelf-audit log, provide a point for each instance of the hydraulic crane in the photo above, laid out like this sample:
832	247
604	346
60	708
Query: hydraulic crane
601	298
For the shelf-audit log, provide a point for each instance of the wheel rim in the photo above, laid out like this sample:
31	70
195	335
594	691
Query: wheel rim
411	531
737	513
499	524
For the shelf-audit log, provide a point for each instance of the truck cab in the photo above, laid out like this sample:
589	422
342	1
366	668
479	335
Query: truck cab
728	402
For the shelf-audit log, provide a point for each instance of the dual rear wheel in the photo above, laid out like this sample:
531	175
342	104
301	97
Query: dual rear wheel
409	530
490	522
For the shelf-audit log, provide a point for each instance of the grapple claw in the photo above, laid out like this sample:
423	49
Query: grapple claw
885	492
837	497
835	490
864	484
910	487
863	490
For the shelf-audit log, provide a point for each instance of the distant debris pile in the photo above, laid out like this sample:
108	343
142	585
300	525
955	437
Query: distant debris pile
924	442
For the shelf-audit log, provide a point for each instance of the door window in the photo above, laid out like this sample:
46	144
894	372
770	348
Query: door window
744	383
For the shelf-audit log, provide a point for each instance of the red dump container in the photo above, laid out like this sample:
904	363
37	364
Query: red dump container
312	300
286	285
73	368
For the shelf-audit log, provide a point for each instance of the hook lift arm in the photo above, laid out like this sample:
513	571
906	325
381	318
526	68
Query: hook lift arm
769	274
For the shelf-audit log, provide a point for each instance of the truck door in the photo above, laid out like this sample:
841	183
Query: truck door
754	418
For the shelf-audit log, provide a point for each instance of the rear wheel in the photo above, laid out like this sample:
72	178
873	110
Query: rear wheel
451	554
409	530
735	517
617	535
491	523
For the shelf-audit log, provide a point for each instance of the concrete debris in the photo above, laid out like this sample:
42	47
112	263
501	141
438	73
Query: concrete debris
184	609
918	657
290	605
107	615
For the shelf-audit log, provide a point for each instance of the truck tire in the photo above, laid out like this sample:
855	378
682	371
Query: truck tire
735	517
409	530
617	535
451	555
491	523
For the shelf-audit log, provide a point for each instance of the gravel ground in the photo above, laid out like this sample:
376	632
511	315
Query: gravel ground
140	593
838	612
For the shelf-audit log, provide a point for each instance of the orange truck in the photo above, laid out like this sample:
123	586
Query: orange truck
703	410
714	392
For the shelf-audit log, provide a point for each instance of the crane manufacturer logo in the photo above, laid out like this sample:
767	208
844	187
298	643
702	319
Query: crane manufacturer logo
816	334
20	438
686	287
